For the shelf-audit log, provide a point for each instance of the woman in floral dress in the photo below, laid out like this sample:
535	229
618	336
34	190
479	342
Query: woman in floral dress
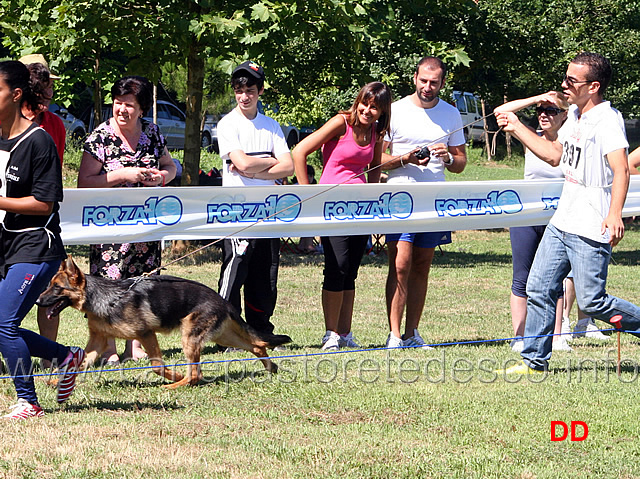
126	151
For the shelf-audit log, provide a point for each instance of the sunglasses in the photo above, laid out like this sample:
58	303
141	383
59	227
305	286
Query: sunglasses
548	110
572	81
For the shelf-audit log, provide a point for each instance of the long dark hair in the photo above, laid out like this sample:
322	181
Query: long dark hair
39	80
381	96
16	75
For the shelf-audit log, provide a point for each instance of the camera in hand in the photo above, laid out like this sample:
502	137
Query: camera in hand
422	153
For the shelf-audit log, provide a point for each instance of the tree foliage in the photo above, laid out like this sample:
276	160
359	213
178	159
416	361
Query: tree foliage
311	49
328	49
522	48
318	53
104	39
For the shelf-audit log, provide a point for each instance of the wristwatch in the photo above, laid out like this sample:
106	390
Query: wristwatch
450	162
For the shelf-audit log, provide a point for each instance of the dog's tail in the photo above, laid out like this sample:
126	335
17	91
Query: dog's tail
260	338
266	340
273	340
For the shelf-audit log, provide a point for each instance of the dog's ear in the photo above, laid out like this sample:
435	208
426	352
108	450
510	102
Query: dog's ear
67	264
72	270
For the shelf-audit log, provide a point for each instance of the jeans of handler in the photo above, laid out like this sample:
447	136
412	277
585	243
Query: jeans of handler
557	254
19	290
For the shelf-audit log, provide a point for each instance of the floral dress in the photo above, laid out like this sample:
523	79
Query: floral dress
121	261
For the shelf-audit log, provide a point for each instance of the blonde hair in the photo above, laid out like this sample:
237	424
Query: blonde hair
562	101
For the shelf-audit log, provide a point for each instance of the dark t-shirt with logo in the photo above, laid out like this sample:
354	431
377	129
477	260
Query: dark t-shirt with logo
33	170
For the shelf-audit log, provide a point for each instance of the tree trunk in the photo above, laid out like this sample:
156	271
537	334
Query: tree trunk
97	93
195	82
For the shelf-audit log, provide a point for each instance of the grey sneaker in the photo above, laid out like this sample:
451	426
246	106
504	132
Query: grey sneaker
233	350
348	341
586	328
330	341
393	342
415	341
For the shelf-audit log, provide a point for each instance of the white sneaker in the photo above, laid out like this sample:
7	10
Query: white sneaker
586	328
231	350
566	328
561	344
517	344
348	341
393	341
330	341
416	341
24	410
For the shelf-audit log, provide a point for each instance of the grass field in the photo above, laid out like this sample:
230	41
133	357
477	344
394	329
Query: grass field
360	414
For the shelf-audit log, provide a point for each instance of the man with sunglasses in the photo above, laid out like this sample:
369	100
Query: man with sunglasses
525	239
591	149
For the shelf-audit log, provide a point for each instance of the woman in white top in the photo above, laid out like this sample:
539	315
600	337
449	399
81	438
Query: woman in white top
525	239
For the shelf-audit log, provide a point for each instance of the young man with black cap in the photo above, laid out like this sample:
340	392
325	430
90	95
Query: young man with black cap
254	152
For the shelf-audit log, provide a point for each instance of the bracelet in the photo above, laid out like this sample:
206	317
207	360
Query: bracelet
163	179
401	162
450	162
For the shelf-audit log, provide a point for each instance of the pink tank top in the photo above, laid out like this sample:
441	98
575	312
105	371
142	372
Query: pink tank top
344	158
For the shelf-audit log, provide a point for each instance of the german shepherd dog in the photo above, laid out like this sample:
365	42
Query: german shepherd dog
138	309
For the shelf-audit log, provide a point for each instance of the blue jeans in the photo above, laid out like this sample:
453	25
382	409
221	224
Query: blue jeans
19	290
557	254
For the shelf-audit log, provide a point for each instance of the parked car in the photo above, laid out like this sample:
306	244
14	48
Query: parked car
209	140
209	136
76	129
470	110
291	133
171	121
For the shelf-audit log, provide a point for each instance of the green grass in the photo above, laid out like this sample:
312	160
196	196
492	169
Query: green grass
499	168
405	414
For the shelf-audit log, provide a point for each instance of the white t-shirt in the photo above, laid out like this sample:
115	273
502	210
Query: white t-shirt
413	126
586	194
261	137
536	169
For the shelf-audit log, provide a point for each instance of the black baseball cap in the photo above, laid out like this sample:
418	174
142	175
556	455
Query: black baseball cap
252	68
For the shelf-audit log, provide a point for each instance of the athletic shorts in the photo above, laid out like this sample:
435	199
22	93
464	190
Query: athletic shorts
422	240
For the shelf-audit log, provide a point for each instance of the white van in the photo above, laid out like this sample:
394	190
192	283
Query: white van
471	112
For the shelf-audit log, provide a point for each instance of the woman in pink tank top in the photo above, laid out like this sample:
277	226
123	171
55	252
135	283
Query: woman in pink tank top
351	143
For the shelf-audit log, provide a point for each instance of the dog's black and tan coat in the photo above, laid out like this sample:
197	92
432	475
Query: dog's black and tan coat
138	310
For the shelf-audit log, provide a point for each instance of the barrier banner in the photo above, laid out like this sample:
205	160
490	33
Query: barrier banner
116	215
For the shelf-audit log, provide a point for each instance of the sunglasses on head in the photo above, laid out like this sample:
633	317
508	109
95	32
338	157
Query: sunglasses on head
549	110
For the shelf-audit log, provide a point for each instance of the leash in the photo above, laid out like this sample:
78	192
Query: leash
317	354
323	192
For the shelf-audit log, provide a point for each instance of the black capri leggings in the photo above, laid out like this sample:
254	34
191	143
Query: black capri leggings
524	244
342	256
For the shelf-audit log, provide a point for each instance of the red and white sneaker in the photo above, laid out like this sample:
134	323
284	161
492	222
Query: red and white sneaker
24	410
68	369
